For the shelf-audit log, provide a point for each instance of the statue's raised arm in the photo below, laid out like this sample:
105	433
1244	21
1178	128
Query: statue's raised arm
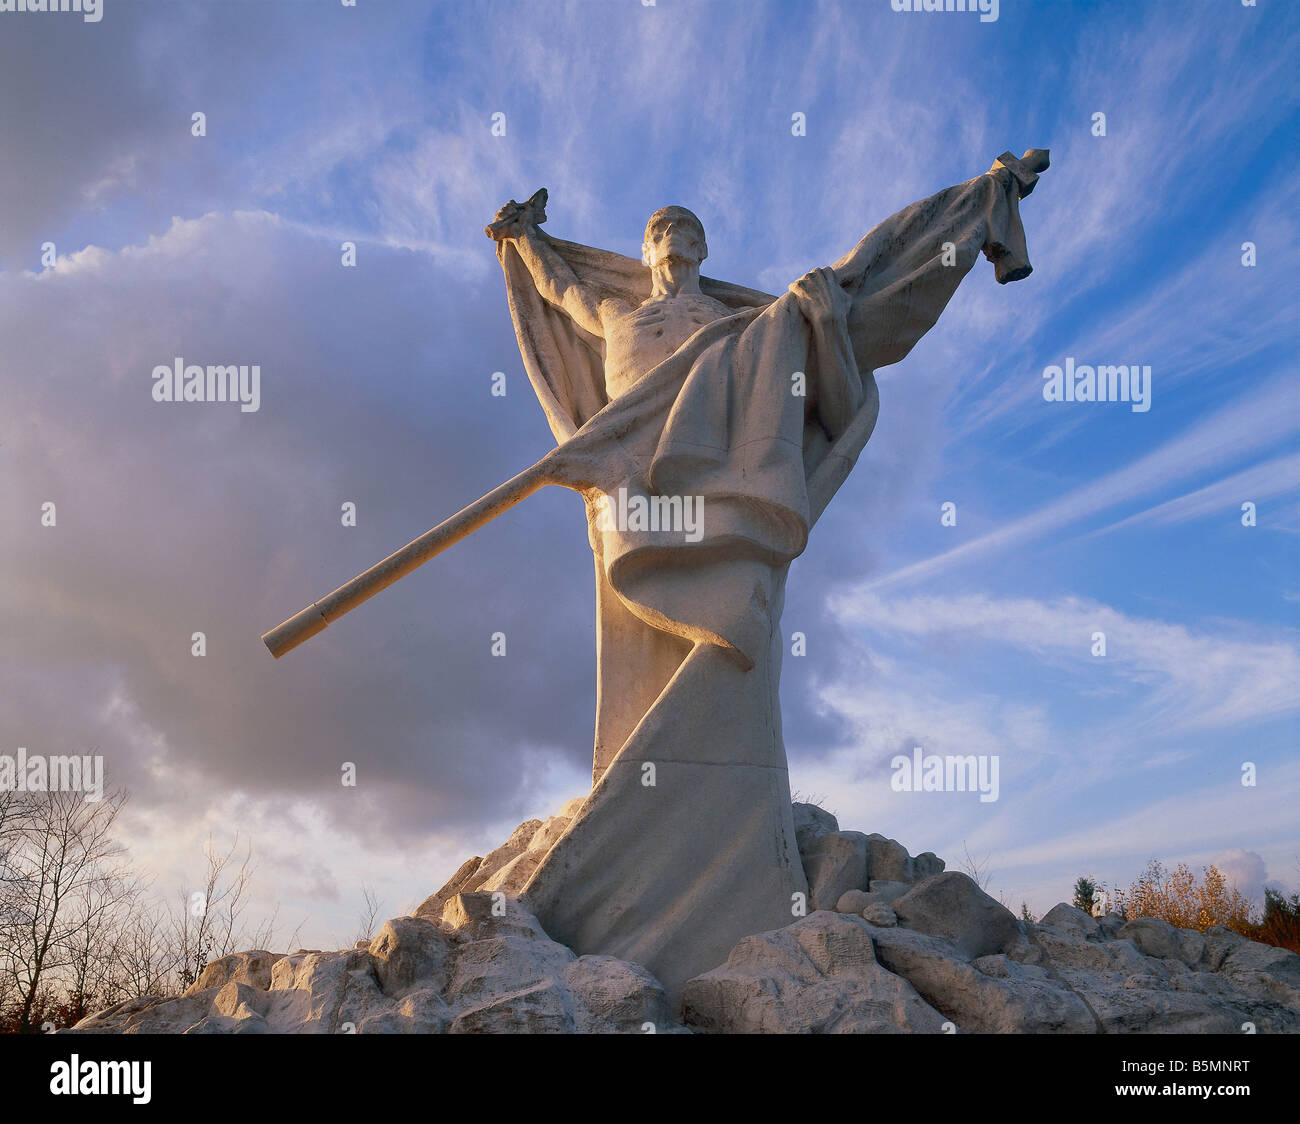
903	273
554	278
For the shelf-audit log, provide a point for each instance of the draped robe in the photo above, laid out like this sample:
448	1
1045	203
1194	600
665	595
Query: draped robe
686	842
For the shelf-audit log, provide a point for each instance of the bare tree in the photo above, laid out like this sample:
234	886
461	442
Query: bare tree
210	923
148	962
264	935
101	914
977	869
369	912
12	809
295	937
61	868
78	930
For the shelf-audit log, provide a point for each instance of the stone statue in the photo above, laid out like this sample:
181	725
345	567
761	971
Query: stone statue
668	392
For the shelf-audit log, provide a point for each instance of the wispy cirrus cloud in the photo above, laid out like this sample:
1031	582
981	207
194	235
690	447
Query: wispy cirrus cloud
1251	424
1187	680
1277	477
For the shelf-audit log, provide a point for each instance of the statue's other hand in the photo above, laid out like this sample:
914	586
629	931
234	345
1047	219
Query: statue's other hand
821	297
509	223
1023	170
514	219
1037	159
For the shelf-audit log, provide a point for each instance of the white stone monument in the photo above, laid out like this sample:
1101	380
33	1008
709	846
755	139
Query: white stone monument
707	427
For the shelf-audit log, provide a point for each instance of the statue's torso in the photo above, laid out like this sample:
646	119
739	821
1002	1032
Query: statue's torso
639	339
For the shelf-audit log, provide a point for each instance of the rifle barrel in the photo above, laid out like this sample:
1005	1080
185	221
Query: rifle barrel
320	614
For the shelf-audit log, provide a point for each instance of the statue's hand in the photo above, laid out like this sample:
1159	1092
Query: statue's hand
1025	170
821	297
515	219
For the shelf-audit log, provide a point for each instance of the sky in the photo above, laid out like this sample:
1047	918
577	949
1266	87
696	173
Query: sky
373	124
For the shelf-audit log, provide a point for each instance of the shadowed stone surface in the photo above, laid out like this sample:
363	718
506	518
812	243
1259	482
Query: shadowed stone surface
951	906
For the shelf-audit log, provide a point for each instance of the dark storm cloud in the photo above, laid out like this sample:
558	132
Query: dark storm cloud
180	518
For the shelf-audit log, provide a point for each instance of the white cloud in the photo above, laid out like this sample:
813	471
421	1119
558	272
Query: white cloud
1190	680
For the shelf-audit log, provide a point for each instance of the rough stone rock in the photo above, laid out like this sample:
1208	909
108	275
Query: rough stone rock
572	807
239	1001
252	968
926	865
1220	942
1269	969
1109	926
545	836
952	906
409	952
119	1014
512	978
1068	919
169	1016
490	914
884	891
1130	992
323	991
514	875
616	997
486	969
818	975
432	906
853	901
497	971
880	913
419	1012
223	1024
159	1014
1154	937
993	995
533	1010
835	863
509	867
888	860
513	847
810	822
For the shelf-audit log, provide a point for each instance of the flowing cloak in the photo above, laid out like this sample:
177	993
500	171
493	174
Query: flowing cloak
686	842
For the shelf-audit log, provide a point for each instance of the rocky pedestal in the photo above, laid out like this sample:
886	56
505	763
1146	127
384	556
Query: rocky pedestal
893	944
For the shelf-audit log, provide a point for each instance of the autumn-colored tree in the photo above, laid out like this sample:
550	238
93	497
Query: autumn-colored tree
1281	923
1186	901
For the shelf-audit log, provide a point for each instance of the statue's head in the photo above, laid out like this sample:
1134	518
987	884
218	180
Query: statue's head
673	233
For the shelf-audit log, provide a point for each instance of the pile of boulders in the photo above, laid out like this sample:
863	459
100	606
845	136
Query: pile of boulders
892	944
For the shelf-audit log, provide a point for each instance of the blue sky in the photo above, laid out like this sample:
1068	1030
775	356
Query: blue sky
373	124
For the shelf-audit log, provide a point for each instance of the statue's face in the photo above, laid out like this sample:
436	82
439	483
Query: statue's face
673	233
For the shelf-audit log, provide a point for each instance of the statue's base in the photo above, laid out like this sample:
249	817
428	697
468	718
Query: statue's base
930	955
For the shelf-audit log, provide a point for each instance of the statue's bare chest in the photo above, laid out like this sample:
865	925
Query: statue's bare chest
645	336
